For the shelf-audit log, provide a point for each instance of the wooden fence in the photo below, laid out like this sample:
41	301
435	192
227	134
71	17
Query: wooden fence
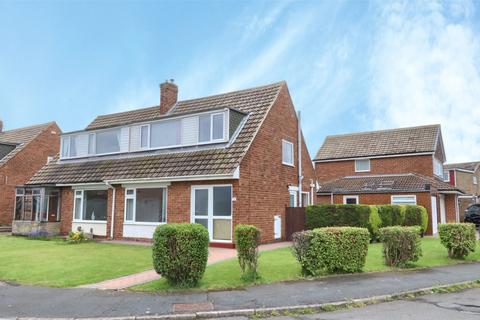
294	221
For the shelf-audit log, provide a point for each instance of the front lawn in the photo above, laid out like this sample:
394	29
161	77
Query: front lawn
58	264
281	265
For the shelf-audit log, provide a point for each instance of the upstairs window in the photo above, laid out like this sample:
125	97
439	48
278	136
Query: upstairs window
475	180
165	133
287	153
107	141
65	147
446	176
437	167
70	146
145	136
211	127
362	165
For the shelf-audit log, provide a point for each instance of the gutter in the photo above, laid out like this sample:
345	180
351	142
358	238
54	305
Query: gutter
300	177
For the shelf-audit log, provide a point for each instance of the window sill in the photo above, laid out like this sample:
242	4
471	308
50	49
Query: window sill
131	223
288	164
90	221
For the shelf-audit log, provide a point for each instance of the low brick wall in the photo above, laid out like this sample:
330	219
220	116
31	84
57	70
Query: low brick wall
24	228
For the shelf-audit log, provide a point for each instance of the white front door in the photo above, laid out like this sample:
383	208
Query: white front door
443	214
211	206
434	216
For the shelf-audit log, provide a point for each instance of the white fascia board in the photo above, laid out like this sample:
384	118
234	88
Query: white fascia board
378	157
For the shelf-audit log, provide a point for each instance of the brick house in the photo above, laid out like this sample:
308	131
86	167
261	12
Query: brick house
397	166
465	176
219	160
23	152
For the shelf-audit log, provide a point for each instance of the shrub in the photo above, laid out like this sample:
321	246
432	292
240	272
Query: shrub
39	235
334	250
458	238
391	215
416	216
180	253
401	245
301	244
247	239
343	215
76	237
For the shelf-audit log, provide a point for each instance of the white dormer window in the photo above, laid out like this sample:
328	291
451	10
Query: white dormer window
107	141
475	180
287	153
65	147
145	136
165	134
91	143
362	165
211	127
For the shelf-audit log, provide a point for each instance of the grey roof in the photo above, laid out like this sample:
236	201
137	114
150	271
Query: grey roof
256	102
380	143
470	166
388	183
19	138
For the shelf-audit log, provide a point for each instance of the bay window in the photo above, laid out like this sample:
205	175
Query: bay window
145	205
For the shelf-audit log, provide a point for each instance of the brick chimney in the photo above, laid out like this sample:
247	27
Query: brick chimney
168	95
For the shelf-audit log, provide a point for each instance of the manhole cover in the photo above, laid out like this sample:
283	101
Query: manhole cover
192	307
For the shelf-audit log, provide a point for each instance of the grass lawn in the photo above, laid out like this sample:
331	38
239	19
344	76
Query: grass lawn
58	264
281	265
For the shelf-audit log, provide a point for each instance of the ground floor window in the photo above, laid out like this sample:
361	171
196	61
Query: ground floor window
145	205
212	207
305	199
37	204
404	200
350	200
90	205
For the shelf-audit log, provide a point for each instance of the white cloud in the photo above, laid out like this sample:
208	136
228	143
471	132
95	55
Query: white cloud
425	69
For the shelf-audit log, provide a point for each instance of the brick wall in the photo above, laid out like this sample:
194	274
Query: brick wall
19	169
423	164
66	210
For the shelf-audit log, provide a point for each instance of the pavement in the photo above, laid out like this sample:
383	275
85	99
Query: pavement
214	255
464	305
27	301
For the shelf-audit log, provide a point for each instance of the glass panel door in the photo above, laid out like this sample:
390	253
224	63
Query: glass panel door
212	208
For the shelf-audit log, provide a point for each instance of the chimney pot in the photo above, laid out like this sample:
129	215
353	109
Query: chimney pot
168	96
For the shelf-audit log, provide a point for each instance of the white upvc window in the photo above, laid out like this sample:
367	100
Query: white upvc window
91	143
404	200
350	200
107	141
145	136
287	153
475	180
65	147
90	205
211	127
305	199
362	165
446	176
437	167
146	205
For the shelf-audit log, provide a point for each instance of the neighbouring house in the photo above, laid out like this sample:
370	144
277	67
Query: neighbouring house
465	176
23	152
219	161
398	166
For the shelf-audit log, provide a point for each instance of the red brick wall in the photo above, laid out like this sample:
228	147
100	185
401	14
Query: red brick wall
450	207
423	164
66	210
18	170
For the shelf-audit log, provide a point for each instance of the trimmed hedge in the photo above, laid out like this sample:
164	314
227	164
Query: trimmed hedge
458	238
401	245
247	239
180	253
332	250
416	216
391	215
343	215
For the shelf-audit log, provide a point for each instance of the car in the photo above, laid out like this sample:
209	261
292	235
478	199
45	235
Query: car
472	214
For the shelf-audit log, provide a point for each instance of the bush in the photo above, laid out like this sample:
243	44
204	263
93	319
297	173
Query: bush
76	237
343	215
301	244
416	216
180	253
401	245
333	250
247	239
391	215
458	238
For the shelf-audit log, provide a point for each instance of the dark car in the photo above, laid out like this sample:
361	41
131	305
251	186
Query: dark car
472	214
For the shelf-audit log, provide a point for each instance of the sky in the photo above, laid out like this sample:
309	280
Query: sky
349	65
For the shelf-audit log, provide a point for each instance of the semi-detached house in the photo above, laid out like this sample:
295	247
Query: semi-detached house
221	160
397	166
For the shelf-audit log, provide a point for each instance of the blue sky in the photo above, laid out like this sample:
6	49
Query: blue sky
349	65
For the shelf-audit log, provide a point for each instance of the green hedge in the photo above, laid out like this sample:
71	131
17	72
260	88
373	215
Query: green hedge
458	238
180	253
401	245
416	216
332	250
343	215
391	215
247	239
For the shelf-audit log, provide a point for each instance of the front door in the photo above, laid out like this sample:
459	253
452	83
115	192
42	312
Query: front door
434	216
212	208
443	215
